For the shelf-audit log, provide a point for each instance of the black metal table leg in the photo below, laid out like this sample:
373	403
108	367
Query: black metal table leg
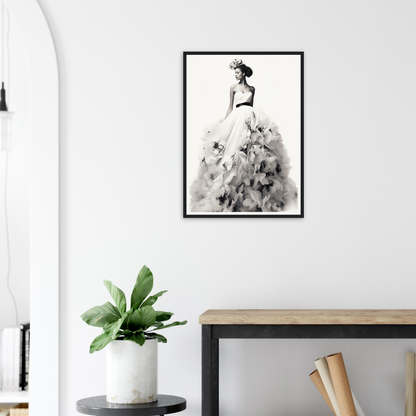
210	373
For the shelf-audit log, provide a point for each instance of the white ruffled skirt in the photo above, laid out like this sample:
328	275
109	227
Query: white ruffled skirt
244	166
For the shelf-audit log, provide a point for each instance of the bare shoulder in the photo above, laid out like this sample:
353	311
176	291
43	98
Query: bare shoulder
232	88
252	89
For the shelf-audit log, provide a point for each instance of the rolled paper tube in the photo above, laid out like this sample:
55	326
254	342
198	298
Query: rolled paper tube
341	384
409	406
357	406
316	378
323	370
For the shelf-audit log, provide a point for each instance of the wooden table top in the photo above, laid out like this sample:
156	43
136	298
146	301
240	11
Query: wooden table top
308	317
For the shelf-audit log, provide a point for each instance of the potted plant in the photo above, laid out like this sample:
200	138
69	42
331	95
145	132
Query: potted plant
131	340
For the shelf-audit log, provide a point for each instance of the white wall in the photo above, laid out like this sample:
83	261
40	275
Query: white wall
121	192
18	184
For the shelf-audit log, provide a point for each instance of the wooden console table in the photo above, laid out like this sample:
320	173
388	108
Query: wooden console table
291	323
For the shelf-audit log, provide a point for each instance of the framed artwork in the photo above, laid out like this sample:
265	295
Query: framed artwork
243	134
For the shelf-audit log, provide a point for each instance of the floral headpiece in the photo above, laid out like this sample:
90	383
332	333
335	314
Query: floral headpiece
236	63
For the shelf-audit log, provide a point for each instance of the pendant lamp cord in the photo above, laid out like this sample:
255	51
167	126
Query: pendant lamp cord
8	55
2	41
9	259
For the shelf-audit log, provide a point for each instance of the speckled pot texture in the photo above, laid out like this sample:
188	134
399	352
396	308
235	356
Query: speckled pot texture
132	372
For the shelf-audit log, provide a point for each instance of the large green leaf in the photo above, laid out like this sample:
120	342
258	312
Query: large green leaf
160	338
101	315
138	338
133	321
118	296
100	342
143	286
112	329
151	300
148	316
172	324
163	316
141	318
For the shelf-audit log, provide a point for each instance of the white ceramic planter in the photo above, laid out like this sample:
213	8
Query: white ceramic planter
132	372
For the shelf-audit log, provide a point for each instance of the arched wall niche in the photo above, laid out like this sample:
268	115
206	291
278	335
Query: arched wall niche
44	206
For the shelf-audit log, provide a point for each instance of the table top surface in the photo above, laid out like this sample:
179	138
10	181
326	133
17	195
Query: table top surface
99	406
308	317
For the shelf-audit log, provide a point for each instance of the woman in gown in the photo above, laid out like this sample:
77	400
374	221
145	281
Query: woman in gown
244	164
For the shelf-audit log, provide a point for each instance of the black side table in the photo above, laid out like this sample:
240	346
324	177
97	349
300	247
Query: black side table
99	406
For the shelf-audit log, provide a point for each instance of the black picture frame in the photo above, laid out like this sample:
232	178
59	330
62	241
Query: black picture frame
204	79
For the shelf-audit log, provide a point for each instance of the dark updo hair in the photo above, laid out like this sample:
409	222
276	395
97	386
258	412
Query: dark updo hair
246	70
